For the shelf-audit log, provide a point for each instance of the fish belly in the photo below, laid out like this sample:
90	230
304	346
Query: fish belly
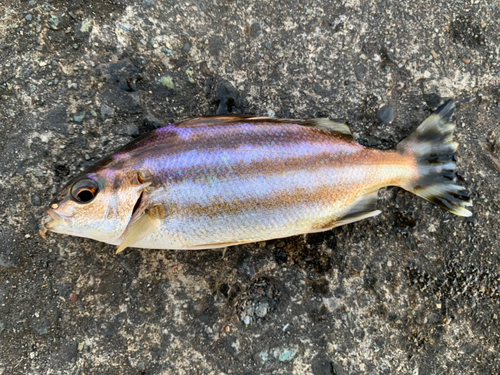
222	187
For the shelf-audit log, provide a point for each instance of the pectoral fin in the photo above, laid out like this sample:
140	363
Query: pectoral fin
146	224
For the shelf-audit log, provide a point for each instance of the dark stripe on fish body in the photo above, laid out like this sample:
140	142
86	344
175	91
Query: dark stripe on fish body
245	169
320	196
173	140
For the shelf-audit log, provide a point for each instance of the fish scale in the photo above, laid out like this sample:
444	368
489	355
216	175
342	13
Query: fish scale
220	181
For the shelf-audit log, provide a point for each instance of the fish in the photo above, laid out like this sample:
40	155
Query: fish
218	181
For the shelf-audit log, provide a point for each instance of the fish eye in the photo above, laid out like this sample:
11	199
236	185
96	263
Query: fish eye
84	191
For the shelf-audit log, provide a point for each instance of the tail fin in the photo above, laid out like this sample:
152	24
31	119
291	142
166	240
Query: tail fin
432	146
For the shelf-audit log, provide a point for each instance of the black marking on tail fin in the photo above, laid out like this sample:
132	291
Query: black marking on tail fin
446	110
432	146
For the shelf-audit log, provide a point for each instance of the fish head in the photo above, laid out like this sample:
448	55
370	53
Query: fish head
98	205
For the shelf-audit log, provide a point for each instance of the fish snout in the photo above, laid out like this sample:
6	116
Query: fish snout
49	222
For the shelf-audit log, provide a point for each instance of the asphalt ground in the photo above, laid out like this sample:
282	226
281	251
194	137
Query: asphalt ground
414	290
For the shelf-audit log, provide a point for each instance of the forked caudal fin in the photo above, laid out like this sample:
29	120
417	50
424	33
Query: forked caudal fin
434	150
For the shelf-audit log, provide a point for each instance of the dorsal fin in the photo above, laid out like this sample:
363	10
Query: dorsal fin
215	119
320	123
330	125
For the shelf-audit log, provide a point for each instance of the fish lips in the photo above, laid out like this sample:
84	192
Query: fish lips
50	222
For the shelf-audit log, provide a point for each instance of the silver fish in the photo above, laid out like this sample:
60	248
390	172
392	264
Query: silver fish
226	180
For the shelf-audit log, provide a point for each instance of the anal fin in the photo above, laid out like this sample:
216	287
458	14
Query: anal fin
363	208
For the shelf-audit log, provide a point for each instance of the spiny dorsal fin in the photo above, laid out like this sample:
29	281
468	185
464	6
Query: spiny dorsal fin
146	224
215	119
320	123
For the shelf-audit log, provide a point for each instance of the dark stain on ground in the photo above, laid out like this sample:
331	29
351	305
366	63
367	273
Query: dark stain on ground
125	73
467	31
229	100
404	222
456	281
319	286
260	299
62	170
314	252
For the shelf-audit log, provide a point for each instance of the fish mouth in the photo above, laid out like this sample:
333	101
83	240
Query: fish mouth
49	222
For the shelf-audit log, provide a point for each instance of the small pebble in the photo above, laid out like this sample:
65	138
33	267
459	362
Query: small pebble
86	25
465	60
261	310
166	51
126	28
28	17
186	48
35	200
27	236
132	130
107	112
246	320
78	117
386	114
54	22
167	81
